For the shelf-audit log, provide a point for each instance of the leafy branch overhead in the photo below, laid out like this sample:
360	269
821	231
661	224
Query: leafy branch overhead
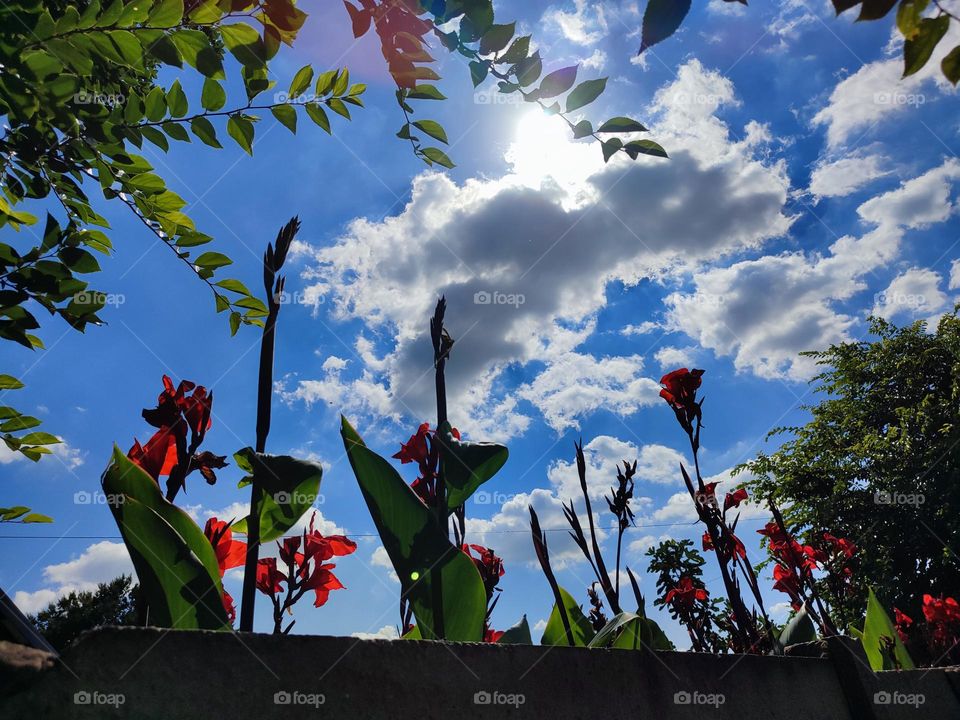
491	50
922	23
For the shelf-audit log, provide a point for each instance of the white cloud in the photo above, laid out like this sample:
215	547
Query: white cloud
596	60
764	312
877	92
582	229
380	559
846	175
99	563
585	25
644	328
62	453
675	357
954	275
914	293
387	632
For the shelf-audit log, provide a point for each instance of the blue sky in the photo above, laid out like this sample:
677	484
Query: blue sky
807	187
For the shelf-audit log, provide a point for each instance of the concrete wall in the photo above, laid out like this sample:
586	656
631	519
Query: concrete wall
149	673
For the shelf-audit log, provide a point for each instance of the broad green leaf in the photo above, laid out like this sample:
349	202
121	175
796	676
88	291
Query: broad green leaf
175	563
318	115
951	65
555	633
241	130
426	92
244	43
286	114
518	50
40	438
467	465
585	93
478	72
661	19
558	82
582	129
610	148
433	129
636	148
166	14
234	286
496	38
37	518
301	81
528	70
642	634
212	260
799	629
204	130
290	488
438	156
878	630
519	634
419	549
621	125
917	51
177	100
8	382
213	96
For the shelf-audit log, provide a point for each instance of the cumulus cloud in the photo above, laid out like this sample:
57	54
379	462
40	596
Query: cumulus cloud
846	175
913	293
515	303
878	92
99	563
675	357
380	559
764	312
586	24
387	632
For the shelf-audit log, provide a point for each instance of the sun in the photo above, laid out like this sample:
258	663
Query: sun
543	149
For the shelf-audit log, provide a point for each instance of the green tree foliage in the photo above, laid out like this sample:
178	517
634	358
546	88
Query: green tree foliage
112	603
879	462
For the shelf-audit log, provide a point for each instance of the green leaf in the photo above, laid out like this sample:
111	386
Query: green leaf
621	125
176	131
585	93
438	156
467	466
235	319
290	489
166	14
555	634
519	634
433	129
610	148
196	49
518	50
426	92
287	115
528	71
478	72
582	129
213	96
951	65
661	19
917	51
234	286
212	260
631	632
318	115
244	43
241	130
176	100
636	148
496	38
204	130
37	518
908	17
8	382
175	563
799	629
558	82
40	438
418	547
301	81
878	631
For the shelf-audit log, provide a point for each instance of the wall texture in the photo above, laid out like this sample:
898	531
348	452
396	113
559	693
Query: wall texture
172	675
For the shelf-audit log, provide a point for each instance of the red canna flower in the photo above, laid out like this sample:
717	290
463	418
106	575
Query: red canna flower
415	449
680	392
940	610
321	580
707	541
787	581
685	593
840	545
733	500
492	636
230	553
229	607
269	579
902	623
490	566
159	456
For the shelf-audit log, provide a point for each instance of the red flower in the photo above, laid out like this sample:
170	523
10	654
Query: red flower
734	499
322	581
787	582
940	610
840	545
415	449
230	553
489	565
196	409
685	594
707	541
492	636
268	577
680	392
159	456
229	607
902	623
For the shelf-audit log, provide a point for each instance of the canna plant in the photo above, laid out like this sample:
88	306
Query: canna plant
179	565
442	587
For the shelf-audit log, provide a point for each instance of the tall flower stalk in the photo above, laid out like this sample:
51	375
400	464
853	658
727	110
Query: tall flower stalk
273	286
